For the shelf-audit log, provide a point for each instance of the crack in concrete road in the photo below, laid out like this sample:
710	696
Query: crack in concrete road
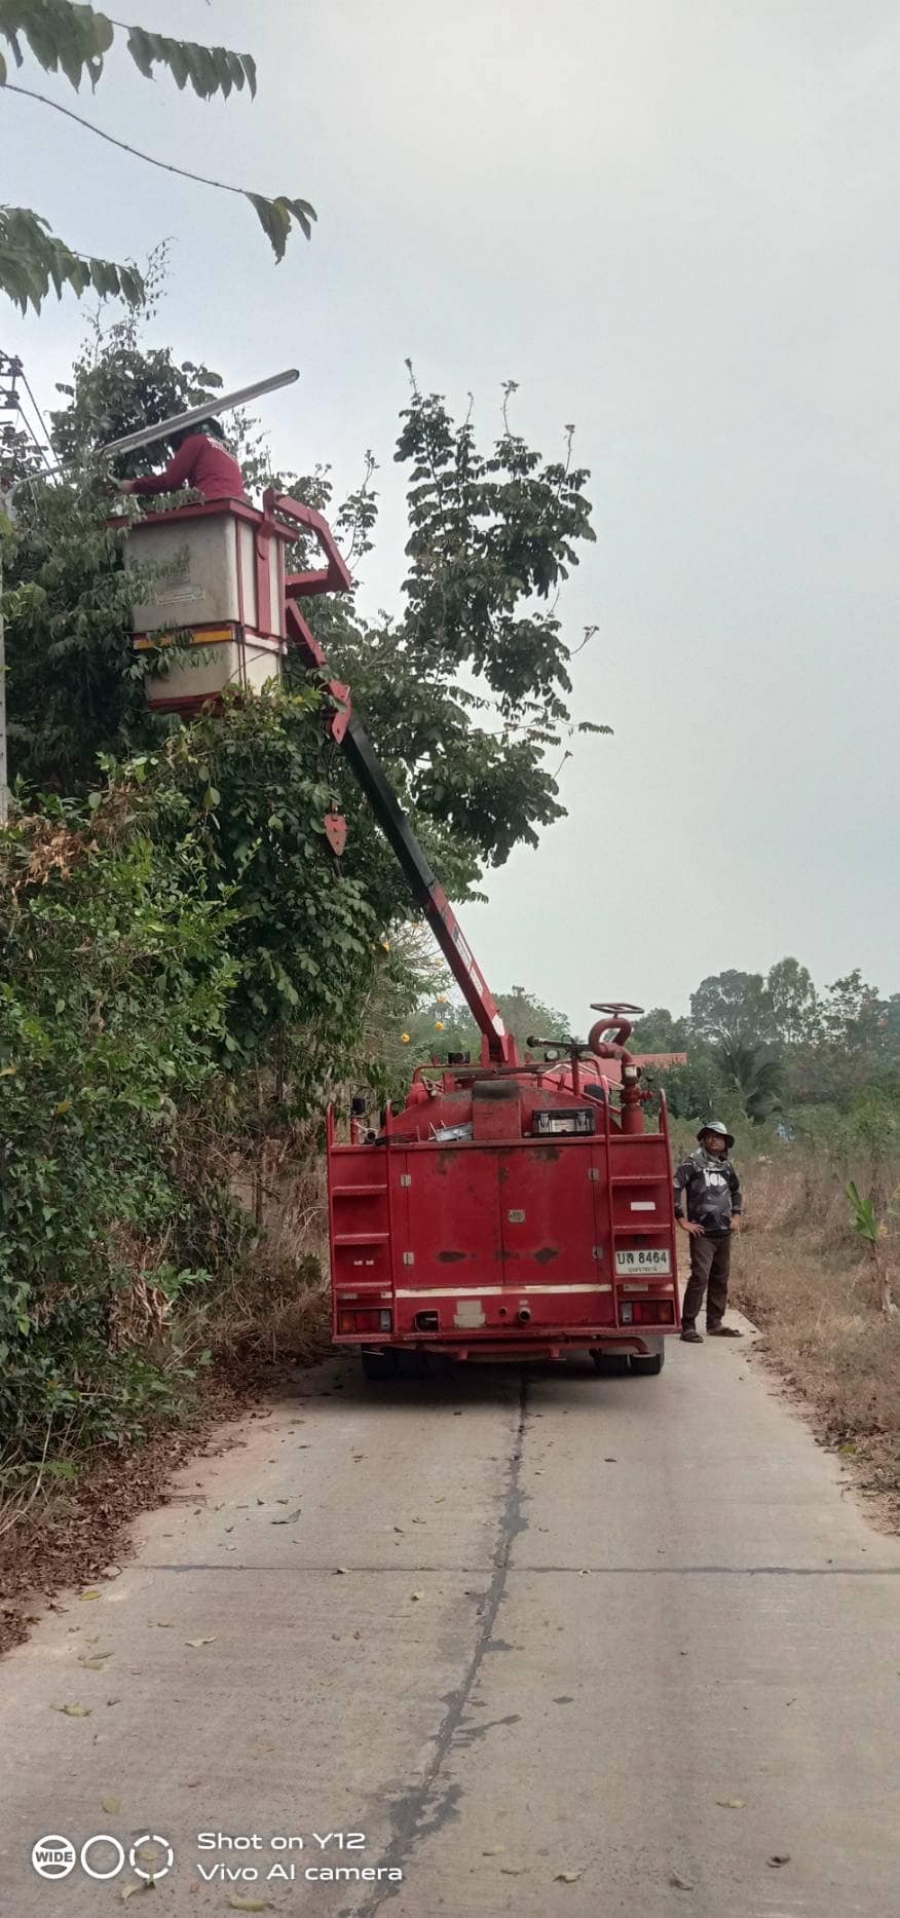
570	1571
411	1818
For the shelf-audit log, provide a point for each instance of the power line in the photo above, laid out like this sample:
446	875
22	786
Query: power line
37	409
45	456
11	370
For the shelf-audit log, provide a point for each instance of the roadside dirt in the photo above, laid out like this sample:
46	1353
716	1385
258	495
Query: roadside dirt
78	1535
836	1357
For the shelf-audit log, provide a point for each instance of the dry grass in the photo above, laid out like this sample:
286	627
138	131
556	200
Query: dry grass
63	1520
800	1274
277	1310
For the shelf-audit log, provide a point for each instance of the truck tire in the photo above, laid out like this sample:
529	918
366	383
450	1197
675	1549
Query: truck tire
610	1365
649	1367
379	1367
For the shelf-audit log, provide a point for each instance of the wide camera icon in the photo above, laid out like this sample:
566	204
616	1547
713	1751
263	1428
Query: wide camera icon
53	1856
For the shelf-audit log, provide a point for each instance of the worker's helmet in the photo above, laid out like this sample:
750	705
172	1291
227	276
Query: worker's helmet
212	427
715	1125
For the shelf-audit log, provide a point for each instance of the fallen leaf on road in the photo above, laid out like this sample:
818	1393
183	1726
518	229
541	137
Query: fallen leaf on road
340	1571
85	1596
111	1571
610	1461
114	1701
567	1877
128	1891
779	1858
238	1903
732	1804
195	1643
282	1501
164	1624
289	1520
112	1805
95	1664
679	1883
493	1851
71	1711
512	1871
417	1595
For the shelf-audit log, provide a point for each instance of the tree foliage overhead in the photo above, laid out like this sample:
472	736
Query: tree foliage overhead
467	689
74	40
463	709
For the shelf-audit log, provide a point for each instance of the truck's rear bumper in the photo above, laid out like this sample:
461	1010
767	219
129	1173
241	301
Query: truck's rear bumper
544	1345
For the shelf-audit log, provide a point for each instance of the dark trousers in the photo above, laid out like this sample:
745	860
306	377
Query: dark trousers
710	1266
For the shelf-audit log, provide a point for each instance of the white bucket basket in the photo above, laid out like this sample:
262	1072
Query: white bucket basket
218	587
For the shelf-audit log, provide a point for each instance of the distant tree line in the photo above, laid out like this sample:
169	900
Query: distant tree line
778	1043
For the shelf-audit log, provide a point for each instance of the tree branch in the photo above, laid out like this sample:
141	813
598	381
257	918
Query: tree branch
165	165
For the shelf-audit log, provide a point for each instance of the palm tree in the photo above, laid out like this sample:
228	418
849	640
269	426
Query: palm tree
750	1071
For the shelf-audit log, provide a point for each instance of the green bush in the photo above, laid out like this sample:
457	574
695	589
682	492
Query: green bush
116	978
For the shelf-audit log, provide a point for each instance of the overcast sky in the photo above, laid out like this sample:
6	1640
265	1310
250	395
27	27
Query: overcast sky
675	223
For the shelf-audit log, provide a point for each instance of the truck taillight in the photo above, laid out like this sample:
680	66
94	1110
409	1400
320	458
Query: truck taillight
364	1319
647	1312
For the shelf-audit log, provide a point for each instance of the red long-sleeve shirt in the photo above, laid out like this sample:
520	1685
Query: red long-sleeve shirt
200	462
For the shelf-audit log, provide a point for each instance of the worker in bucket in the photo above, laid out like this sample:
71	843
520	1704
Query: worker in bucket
201	459
709	1185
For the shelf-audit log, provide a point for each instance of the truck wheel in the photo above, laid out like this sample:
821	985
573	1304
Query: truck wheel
378	1367
650	1366
610	1365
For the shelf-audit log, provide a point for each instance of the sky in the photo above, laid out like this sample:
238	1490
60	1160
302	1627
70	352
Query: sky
673	223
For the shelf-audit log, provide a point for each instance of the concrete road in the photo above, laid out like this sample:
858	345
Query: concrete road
557	1645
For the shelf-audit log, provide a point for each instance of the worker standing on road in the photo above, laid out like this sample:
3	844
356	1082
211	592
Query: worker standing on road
709	1183
200	459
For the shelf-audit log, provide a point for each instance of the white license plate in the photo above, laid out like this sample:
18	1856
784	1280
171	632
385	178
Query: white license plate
655	1262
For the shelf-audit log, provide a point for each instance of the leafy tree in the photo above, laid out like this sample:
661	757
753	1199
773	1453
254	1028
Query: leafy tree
441	1025
658	1031
730	1005
466	691
756	1077
794	1002
74	40
696	1090
464	738
118	383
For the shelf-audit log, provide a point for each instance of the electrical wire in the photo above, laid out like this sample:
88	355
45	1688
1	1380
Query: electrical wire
32	434
43	423
12	370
